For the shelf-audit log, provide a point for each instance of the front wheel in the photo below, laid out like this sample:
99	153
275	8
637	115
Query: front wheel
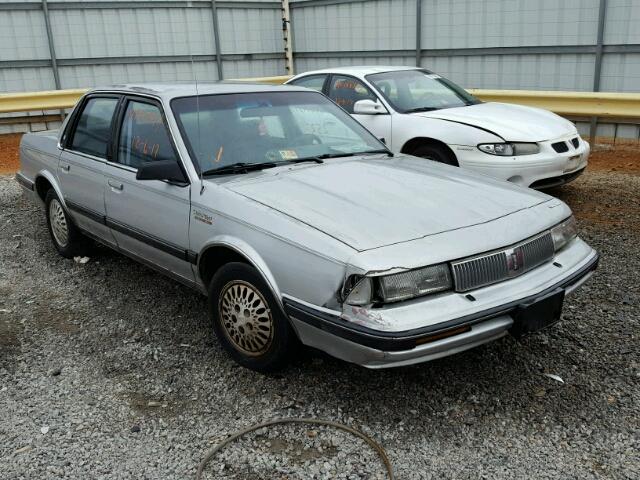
247	320
66	237
435	153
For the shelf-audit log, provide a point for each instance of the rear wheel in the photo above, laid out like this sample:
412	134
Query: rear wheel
66	237
436	153
247	320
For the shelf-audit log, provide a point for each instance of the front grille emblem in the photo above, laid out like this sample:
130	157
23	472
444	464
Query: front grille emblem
515	259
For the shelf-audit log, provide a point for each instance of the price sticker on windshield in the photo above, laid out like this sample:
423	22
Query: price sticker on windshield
288	154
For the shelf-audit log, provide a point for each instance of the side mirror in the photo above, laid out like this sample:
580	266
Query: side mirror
162	170
368	107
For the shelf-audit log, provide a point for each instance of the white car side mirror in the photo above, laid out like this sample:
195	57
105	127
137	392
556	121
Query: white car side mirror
368	107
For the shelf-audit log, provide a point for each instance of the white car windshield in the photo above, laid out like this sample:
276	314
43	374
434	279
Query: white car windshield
419	91
268	128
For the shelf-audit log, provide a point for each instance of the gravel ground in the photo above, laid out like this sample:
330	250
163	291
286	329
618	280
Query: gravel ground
109	370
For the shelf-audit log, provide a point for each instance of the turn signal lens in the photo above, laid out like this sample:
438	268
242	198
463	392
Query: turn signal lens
361	292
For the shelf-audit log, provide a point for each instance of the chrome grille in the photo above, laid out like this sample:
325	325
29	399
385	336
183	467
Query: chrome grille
575	142
498	266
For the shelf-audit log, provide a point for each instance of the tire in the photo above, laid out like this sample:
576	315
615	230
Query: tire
436	153
66	237
248	321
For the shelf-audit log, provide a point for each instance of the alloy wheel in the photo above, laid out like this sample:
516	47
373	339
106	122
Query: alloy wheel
246	318
58	221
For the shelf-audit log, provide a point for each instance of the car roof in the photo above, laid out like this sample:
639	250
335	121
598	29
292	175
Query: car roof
173	90
361	70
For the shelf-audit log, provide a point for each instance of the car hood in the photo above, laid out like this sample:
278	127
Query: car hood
514	123
368	202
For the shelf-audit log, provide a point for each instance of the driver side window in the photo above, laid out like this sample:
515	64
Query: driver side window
143	136
346	91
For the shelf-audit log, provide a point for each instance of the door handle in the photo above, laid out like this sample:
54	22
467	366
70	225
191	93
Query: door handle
66	168
116	185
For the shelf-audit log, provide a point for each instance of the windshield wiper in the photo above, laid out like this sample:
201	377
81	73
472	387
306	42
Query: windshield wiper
240	167
300	160
379	150
421	109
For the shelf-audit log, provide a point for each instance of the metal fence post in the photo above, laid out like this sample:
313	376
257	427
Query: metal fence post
52	49
216	38
418	32
597	70
286	33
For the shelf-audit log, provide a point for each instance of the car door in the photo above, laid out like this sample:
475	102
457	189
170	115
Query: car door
346	90
148	218
85	150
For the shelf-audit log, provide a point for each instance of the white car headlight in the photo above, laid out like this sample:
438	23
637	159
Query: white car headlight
414	283
564	232
509	149
398	286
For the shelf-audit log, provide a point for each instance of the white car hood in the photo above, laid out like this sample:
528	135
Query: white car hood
368	202
514	123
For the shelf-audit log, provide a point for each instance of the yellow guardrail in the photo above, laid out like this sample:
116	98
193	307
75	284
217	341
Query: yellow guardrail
581	104
49	100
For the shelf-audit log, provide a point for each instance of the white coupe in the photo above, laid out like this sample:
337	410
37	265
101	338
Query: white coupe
421	113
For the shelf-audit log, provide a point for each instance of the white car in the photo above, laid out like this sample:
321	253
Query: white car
421	113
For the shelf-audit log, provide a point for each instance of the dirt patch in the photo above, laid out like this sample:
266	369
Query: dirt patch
148	405
54	317
615	158
9	159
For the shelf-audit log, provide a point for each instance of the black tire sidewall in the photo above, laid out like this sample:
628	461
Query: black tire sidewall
435	153
284	343
77	243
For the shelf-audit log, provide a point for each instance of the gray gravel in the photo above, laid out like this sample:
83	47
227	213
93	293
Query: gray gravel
108	370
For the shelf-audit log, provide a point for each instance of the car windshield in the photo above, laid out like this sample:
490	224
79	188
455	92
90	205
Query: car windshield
266	128
420	90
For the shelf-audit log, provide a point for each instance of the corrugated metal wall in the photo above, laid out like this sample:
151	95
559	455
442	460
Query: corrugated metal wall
104	41
507	44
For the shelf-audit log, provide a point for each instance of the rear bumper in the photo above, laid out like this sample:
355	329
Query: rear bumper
381	349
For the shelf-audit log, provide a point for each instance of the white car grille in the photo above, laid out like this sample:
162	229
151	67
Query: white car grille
498	266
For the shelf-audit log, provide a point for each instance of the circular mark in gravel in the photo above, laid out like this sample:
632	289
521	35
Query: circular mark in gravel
296	448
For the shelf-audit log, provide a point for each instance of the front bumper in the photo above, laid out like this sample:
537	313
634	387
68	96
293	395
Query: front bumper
542	170
374	348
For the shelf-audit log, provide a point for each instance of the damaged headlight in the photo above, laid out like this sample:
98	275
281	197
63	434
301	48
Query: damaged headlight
414	283
564	232
399	286
509	149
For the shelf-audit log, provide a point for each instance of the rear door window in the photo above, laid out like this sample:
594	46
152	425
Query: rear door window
143	135
92	134
315	82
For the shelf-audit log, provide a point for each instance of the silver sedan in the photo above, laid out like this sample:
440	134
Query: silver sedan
300	226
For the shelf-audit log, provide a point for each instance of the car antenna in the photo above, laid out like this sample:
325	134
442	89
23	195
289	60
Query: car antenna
195	79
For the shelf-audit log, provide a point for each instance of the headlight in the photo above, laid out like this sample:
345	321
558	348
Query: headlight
509	149
414	283
564	232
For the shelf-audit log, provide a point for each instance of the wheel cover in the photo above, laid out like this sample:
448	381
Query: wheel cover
245	318
58	221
